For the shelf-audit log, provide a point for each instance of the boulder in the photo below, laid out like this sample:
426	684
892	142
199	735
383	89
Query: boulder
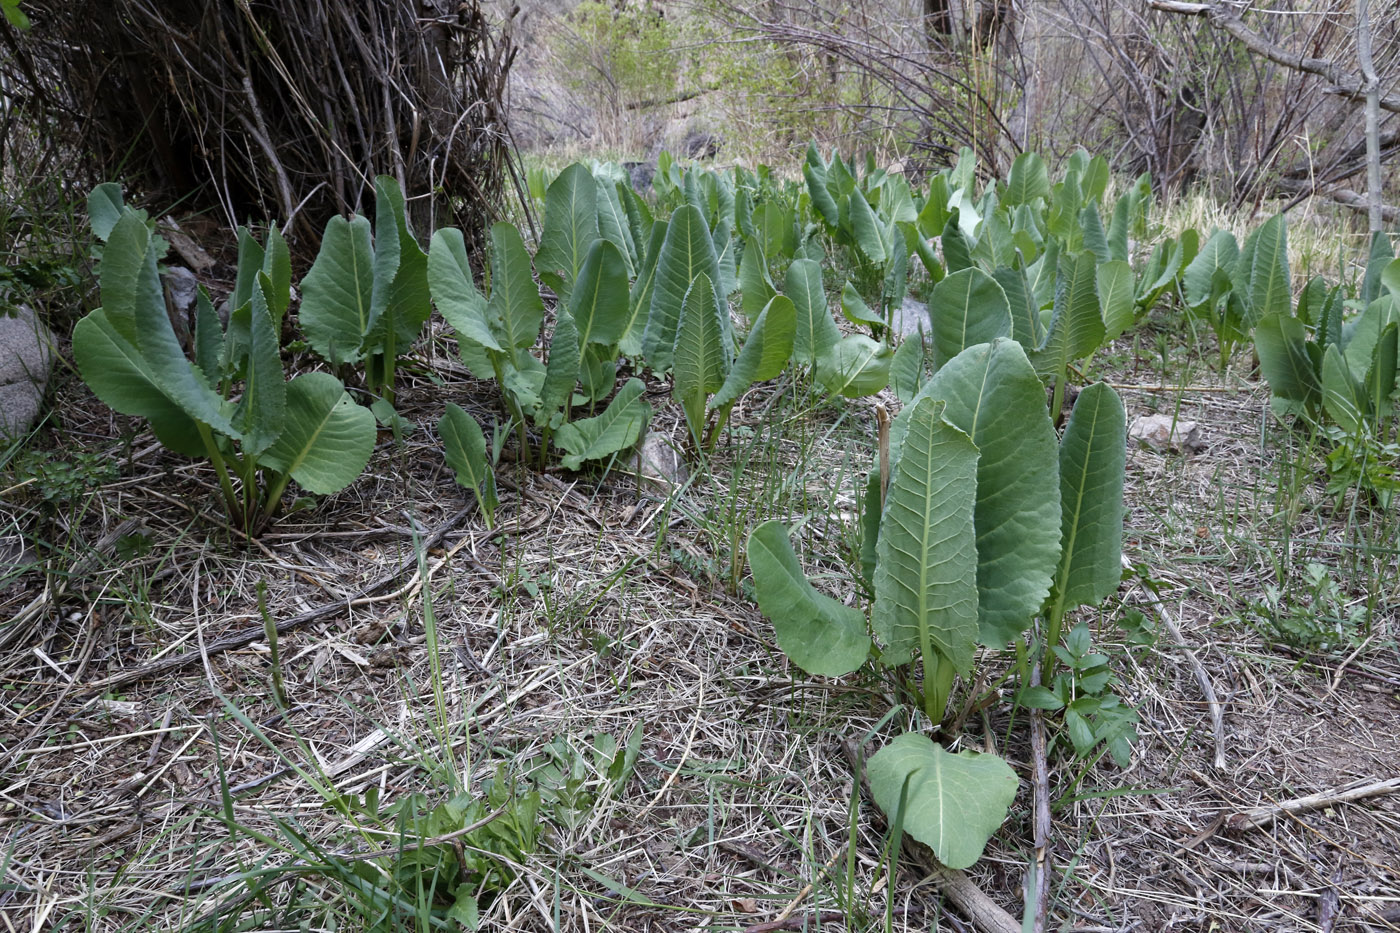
26	359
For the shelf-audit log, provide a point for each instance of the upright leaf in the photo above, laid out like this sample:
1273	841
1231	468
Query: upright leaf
454	292
599	301
755	287
866	227
1281	342
260	412
1269	288
701	357
1076	327
687	253
639	302
561	372
854	366
1342	394
464	446
765	352
816	331
514	311
926	572
1092	456
337	292
966	308
570	227
819	634
1027	182
1200	277
1116	281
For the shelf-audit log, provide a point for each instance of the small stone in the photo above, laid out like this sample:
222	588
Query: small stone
658	463
184	287
1163	432
26	359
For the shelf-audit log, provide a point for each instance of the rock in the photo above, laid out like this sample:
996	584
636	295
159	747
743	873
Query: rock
1162	432
658	463
700	145
640	174
26	359
911	316
183	286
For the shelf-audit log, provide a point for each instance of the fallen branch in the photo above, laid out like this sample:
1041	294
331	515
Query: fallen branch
985	913
1262	816
1040	770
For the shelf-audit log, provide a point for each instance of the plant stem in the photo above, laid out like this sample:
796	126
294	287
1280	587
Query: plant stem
211	447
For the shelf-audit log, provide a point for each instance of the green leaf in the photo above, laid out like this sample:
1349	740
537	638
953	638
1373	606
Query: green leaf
327	438
117	374
764	353
599	301
755	287
966	308
817	633
1116	282
816	331
866	227
854	367
454	292
260	413
1269	285
701	357
1026	328
957	252
277	265
514	311
1342	394
561	372
252	259
464	446
907	368
926	570
337	293
127	274
208	338
639	302
1076	327
1380	377
104	209
1281	341
1095	239
570	227
1201	277
613	224
855	310
616	429
400	303
1092	456
993	394
1027	182
952	803
687	253
1380	269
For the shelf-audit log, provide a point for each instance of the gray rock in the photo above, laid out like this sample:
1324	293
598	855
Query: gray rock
700	145
26	359
184	287
658	463
911	316
640	174
1163	432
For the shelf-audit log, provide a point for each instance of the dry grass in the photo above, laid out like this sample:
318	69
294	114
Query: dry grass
595	610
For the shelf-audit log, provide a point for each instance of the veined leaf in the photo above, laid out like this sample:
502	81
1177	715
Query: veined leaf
639	302
687	253
1076	327
401	274
854	308
854	366
613	224
966	308
1269	289
1342	394
1092	455
1027	182
327	439
561	372
819	634
464	446
755	287
599	301
1200	277
926	571
454	292
866	227
105	209
993	394
1116	306
764	353
816	331
570	227
951	803
514	311
337	293
1281	341
616	429
260	413
701	357
1025	316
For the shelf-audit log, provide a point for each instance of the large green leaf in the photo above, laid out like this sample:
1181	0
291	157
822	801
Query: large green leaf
613	224
126	275
1342	394
854	366
1202	278
755	287
1076	327
701	357
1281	342
1092	455
1027	182
400	276
819	634
926	571
866	227
464	446
277	266
951	803
616	429
251	259
514	310
1270	291
765	352
1380	377
816	330
260	412
687	253
116	372
1025	316
105	209
993	394
966	308
639	302
599	301
570	227
561	373
1116	283
337	293
453	291
327	438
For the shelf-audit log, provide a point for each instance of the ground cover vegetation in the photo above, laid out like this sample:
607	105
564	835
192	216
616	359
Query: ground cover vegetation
730	548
